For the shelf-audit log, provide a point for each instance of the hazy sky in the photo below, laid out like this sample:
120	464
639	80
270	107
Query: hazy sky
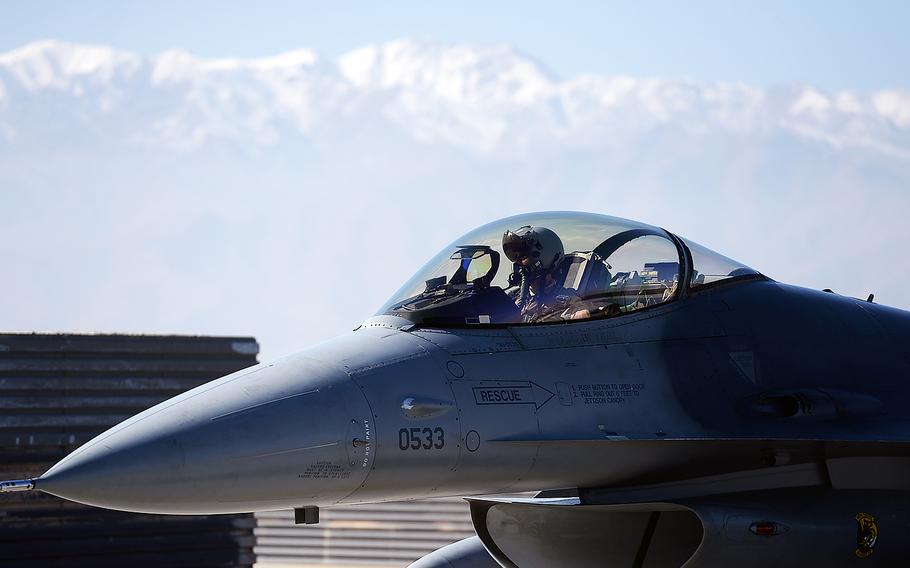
291	202
833	45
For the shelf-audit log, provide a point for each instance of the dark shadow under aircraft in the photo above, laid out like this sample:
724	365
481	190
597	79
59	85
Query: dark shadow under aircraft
671	407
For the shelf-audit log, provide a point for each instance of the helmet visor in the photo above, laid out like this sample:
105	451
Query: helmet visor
516	247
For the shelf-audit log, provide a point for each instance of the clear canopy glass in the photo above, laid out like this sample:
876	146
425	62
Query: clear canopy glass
595	266
710	267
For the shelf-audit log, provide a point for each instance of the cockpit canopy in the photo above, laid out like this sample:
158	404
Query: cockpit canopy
606	267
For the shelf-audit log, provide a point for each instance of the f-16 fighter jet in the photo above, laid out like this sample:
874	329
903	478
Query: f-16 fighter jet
668	405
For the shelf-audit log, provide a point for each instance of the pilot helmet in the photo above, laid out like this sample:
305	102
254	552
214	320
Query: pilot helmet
540	244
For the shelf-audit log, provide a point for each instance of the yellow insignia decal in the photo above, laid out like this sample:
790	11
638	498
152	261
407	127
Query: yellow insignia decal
866	535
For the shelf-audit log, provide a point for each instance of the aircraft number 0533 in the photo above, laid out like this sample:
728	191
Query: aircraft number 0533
421	438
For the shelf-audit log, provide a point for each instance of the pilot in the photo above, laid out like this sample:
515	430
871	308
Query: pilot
535	253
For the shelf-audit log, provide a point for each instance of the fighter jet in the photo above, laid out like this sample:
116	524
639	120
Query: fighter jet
664	405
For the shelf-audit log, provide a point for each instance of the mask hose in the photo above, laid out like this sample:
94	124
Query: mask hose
523	288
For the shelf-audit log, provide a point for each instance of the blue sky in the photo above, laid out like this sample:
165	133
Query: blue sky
163	186
835	45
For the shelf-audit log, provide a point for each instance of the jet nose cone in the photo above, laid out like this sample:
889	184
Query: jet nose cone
269	437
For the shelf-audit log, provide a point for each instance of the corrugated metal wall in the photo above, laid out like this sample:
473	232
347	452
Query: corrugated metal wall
386	534
59	391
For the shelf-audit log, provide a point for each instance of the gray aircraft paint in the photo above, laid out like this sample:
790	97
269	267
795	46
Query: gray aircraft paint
744	376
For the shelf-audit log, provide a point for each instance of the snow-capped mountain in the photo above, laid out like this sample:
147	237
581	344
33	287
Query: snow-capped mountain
188	194
478	98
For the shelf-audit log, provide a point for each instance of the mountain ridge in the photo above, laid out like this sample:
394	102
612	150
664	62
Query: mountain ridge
476	97
289	196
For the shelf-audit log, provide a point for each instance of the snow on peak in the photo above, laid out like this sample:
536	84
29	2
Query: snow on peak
177	64
895	105
288	60
174	63
463	73
52	63
812	102
477	97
